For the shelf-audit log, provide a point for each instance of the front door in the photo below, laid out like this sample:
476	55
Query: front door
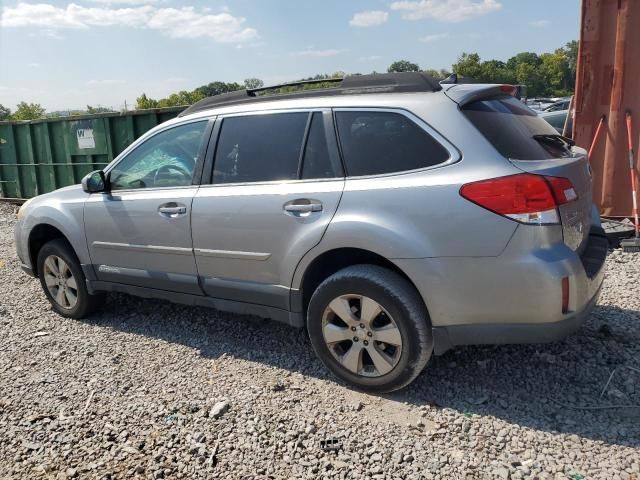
139	233
276	183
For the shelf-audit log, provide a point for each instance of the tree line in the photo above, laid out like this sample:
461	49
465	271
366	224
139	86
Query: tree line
546	74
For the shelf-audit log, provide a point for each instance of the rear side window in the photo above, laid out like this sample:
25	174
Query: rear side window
516	131
259	148
374	143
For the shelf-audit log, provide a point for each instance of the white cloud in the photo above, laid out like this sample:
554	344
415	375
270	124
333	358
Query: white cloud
331	52
184	22
127	2
369	18
370	58
34	65
539	23
434	38
445	10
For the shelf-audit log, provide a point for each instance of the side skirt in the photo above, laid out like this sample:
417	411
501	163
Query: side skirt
243	308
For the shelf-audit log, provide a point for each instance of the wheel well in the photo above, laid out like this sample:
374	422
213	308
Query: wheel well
332	261
40	235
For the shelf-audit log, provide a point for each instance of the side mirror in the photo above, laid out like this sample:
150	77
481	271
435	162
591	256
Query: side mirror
94	182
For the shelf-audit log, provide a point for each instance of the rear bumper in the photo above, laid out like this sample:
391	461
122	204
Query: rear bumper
446	338
513	298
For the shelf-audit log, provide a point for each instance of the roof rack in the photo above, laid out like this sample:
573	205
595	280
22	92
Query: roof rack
351	85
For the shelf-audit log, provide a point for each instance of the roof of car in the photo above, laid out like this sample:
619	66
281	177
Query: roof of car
352	85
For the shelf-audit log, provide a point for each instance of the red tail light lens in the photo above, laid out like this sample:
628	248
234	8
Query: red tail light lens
509	89
525	197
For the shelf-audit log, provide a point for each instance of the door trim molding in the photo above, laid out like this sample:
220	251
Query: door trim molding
144	248
205	252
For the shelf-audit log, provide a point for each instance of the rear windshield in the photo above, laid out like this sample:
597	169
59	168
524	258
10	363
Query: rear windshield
515	130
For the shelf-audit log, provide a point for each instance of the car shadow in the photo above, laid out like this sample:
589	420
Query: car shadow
550	387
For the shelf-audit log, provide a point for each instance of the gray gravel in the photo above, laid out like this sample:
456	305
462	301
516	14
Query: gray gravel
147	389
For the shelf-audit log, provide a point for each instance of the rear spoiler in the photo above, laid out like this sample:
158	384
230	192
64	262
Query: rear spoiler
464	93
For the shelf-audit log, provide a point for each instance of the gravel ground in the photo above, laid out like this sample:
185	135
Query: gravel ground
147	389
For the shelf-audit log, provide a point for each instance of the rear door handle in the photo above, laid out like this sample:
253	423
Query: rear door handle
172	210
303	207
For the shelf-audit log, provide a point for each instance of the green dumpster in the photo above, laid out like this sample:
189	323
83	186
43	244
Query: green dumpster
39	156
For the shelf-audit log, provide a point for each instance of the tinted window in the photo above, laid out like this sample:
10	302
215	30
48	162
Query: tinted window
317	161
515	130
259	148
164	160
556	120
384	142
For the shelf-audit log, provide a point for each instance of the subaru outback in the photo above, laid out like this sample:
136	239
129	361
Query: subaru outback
391	216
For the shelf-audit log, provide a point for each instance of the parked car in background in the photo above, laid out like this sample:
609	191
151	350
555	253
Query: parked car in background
549	104
347	211
559	105
557	120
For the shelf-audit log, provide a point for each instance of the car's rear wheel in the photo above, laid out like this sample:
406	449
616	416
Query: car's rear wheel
63	281
370	327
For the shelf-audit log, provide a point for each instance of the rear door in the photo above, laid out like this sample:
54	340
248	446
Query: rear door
275	184
534	146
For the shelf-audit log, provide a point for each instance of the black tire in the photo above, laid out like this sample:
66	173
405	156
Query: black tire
403	303
86	303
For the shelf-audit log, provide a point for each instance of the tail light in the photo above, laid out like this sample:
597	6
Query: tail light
525	198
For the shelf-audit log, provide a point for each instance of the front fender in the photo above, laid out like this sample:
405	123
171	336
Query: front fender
63	210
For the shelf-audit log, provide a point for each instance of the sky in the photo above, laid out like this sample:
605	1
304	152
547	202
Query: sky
69	54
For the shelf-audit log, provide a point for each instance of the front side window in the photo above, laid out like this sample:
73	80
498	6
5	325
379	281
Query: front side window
167	159
259	148
375	143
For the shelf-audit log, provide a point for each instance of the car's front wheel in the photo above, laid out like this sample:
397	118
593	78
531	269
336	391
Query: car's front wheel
370	327
63	281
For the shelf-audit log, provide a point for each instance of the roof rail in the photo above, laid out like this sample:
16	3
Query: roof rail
251	91
352	85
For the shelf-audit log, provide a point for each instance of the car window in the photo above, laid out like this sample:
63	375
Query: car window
317	160
259	148
516	131
556	120
164	160
384	142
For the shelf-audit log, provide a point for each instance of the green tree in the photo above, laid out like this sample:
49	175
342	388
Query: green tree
28	111
437	74
468	65
216	88
571	53
250	83
403	66
555	68
98	109
143	102
181	98
5	113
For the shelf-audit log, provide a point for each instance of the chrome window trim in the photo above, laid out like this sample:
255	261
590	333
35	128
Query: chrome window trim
454	154
148	136
248	113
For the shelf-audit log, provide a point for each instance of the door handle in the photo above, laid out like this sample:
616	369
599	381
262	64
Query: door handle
303	207
172	210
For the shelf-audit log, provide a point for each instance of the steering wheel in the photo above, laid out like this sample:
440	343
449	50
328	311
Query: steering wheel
167	171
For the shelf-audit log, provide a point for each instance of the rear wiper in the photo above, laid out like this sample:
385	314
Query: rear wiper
555	138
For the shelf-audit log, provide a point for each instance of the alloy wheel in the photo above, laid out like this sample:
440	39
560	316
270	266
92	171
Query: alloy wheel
361	335
60	282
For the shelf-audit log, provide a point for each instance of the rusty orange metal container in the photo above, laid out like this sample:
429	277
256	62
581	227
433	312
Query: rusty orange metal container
608	83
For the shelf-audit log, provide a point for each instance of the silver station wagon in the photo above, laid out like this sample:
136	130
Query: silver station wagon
391	216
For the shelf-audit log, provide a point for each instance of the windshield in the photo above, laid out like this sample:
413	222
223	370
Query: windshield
515	130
